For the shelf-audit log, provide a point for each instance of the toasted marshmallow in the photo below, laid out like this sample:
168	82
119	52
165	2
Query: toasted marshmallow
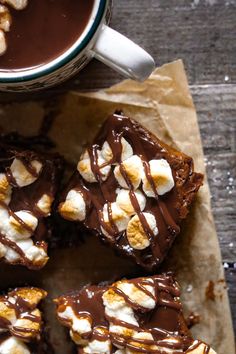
142	336
84	167
25	328
138	296
79	324
22	175
134	171
116	307
200	349
7	312
74	207
3	42
44	204
3	250
106	152
13	345
18	230
124	200
99	346
136	235
119	217
162	178
126	152
17	4
36	255
30	295
5	189
5	18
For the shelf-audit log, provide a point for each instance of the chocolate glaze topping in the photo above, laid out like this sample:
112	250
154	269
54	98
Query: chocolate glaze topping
169	209
165	322
26	198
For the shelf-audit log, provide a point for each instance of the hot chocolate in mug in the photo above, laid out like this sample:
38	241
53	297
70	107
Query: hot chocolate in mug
44	42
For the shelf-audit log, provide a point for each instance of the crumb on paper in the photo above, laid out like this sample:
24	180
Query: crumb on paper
210	291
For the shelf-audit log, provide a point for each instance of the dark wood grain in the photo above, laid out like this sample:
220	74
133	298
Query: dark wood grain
202	33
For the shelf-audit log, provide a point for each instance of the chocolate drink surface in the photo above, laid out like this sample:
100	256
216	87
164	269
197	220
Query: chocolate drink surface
42	31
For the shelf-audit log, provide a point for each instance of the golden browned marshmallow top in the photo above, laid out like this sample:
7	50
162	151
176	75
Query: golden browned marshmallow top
20	319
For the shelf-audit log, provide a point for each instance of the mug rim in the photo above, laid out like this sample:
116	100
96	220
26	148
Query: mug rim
57	63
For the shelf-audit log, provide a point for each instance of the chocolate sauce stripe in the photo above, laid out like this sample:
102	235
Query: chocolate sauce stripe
169	221
16	331
93	154
127	299
16	217
5	241
136	342
141	216
11	180
145	290
30	168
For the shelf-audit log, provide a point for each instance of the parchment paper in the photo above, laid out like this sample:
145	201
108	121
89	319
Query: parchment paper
164	105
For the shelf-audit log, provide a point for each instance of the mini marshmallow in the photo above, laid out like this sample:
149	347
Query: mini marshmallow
19	231
22	175
5	18
44	204
5	189
138	296
17	4
119	217
200	349
37	255
27	329
97	346
134	171
13	345
3	43
7	312
123	200
74	207
107	153
162	178
80	324
30	295
136	235
116	307
84	168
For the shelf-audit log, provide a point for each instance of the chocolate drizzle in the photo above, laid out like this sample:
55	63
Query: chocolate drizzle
168	209
23	310
165	323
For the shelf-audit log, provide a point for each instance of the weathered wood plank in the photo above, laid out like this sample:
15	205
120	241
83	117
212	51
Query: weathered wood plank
216	107
231	281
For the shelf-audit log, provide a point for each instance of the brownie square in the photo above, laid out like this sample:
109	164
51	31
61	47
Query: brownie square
21	323
132	190
28	184
142	315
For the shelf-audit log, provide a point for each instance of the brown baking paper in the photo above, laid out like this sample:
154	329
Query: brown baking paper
163	104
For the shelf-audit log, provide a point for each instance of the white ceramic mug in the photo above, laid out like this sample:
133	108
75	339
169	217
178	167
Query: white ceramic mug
97	40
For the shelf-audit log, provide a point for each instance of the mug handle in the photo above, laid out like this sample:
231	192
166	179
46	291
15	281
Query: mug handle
123	55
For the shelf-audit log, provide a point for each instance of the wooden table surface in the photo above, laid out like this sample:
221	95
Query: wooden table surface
203	34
